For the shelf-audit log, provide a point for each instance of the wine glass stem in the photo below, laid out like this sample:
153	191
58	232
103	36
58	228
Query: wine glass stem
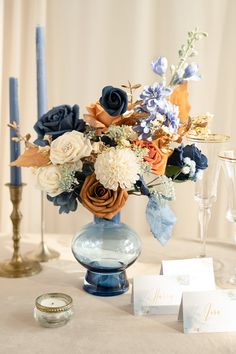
204	218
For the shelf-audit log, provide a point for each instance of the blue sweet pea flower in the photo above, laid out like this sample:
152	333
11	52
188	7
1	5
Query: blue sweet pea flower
159	66
191	72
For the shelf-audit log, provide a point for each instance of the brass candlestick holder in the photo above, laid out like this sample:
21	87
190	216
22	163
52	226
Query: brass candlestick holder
17	267
42	253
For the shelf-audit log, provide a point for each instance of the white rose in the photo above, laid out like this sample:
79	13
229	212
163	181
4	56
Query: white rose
48	180
70	147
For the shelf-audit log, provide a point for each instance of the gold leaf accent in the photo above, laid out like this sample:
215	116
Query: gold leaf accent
17	140
12	125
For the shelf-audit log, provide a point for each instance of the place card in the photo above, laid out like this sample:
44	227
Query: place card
209	311
200	270
158	294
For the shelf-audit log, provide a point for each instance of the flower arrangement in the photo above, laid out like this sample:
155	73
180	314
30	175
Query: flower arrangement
122	146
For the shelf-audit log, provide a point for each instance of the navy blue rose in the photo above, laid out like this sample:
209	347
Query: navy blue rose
196	155
185	163
58	121
114	101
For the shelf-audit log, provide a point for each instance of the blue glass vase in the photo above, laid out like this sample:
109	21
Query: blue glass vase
106	248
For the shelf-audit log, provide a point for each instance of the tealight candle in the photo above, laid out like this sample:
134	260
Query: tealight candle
53	309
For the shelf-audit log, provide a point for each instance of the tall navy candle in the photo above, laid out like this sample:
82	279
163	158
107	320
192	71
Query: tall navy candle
14	117
41	72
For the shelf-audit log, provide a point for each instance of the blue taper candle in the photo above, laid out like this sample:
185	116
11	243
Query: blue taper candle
41	72
15	172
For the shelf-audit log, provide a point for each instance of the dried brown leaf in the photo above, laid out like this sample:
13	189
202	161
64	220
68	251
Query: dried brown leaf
27	137
136	86
136	103
32	157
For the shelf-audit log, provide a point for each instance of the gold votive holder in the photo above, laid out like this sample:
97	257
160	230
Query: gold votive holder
53	309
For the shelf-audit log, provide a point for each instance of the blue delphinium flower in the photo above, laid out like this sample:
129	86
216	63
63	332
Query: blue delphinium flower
143	131
172	121
166	115
159	66
191	72
144	127
152	95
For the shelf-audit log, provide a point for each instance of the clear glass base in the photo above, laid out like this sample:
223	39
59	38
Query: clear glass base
106	284
106	248
226	281
217	264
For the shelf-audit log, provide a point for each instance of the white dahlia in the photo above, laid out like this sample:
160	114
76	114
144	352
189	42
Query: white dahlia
117	168
70	147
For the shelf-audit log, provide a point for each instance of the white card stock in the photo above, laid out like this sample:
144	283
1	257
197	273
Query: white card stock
209	311
158	294
200	271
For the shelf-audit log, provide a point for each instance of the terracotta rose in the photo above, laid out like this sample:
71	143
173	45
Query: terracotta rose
98	118
102	202
156	157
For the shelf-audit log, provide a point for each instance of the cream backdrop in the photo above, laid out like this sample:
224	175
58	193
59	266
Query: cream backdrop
94	43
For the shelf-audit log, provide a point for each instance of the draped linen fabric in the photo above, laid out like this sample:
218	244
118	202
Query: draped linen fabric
93	43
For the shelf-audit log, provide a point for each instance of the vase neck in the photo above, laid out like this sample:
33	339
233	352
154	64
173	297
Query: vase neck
115	219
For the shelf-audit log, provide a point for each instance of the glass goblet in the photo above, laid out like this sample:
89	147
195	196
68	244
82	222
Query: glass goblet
228	163
206	186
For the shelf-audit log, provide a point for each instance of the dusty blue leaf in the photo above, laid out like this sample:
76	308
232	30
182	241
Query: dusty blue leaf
161	220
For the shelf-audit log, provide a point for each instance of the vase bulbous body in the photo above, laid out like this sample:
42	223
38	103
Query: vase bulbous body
106	248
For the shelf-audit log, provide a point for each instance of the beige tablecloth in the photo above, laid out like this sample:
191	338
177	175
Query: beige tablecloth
100	325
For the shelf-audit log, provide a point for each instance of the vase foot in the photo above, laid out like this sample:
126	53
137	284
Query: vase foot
106	284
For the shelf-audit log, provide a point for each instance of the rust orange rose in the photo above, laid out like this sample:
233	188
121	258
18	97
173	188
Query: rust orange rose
98	118
102	202
156	157
180	98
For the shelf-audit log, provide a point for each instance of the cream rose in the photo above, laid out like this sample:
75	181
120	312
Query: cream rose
70	147
48	180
